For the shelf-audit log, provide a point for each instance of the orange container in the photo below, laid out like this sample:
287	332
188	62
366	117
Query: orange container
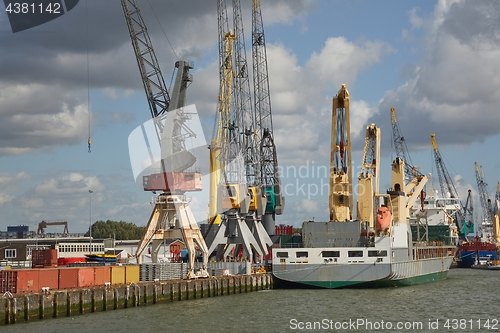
68	278
27	280
48	277
85	277
102	274
117	274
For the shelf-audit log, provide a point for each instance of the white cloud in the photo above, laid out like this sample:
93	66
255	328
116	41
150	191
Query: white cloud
455	88
301	113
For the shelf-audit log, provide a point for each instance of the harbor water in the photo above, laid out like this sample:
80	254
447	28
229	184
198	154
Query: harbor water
467	301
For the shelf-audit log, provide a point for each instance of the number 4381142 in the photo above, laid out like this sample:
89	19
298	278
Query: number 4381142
478	324
31	8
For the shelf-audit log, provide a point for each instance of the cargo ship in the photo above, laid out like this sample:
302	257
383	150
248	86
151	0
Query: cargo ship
379	247
353	254
476	252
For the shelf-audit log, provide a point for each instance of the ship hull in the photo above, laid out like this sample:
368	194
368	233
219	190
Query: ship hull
469	258
361	275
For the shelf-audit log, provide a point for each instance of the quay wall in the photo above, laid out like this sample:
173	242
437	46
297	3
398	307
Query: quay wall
22	307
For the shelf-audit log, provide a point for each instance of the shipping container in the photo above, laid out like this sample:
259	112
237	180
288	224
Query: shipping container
44	258
132	273
68	278
50	258
27	280
18	281
102	275
8	281
117	274
48	278
85	277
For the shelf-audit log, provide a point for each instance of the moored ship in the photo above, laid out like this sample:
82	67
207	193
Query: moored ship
375	249
351	254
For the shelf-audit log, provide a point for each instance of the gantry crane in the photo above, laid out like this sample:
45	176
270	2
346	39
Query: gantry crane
340	196
44	224
171	217
269	169
446	184
239	198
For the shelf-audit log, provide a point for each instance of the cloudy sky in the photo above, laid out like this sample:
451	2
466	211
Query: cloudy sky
436	62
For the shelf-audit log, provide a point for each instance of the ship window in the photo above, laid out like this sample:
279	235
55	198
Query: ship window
282	254
10	253
330	254
382	253
355	254
301	255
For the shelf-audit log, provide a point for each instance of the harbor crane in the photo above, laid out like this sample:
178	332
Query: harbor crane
239	199
490	226
447	186
402	149
171	217
268	157
340	196
482	189
44	224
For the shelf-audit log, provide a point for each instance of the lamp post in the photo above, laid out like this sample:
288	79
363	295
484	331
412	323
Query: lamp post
90	220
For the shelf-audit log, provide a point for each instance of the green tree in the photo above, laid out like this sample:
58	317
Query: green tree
118	230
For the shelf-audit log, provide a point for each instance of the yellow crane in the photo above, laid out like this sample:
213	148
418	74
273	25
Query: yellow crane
340	196
369	168
224	109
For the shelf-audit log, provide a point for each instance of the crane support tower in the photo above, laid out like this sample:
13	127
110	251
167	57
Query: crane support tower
171	217
340	196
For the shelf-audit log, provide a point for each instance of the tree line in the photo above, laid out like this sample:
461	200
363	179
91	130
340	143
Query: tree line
117	230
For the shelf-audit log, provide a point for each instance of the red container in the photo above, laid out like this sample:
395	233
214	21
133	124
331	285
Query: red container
48	278
37	258
85	277
102	274
50	258
44	258
68	277
27	280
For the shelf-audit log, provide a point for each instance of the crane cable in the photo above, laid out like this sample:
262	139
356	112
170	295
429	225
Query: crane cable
89	141
163	30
